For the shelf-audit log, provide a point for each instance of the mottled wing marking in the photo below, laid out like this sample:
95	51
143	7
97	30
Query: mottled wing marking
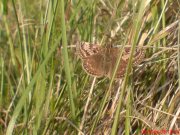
139	56
126	53
98	61
86	50
121	69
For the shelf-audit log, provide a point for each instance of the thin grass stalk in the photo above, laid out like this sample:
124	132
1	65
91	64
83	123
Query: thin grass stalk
86	106
50	17
40	96
44	18
25	45
163	55
111	82
5	7
164	43
2	64
128	110
178	59
51	117
26	62
136	36
160	17
20	38
25	93
11	46
51	21
66	60
179	55
5	10
2	82
106	95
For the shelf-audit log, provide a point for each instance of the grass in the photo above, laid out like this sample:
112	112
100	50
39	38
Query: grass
44	89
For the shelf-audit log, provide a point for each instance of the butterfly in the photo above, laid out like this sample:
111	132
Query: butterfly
100	61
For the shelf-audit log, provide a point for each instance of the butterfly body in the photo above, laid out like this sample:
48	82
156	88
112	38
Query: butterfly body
100	61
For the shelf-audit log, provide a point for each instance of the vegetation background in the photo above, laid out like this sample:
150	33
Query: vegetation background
44	90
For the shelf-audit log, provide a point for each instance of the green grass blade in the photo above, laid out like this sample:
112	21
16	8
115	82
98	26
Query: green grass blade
25	93
136	35
66	60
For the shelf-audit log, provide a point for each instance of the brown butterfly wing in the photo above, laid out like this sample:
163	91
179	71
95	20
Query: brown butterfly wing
121	67
137	59
86	49
94	65
98	61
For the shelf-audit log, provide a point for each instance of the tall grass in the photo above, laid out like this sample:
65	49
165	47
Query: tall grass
44	89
